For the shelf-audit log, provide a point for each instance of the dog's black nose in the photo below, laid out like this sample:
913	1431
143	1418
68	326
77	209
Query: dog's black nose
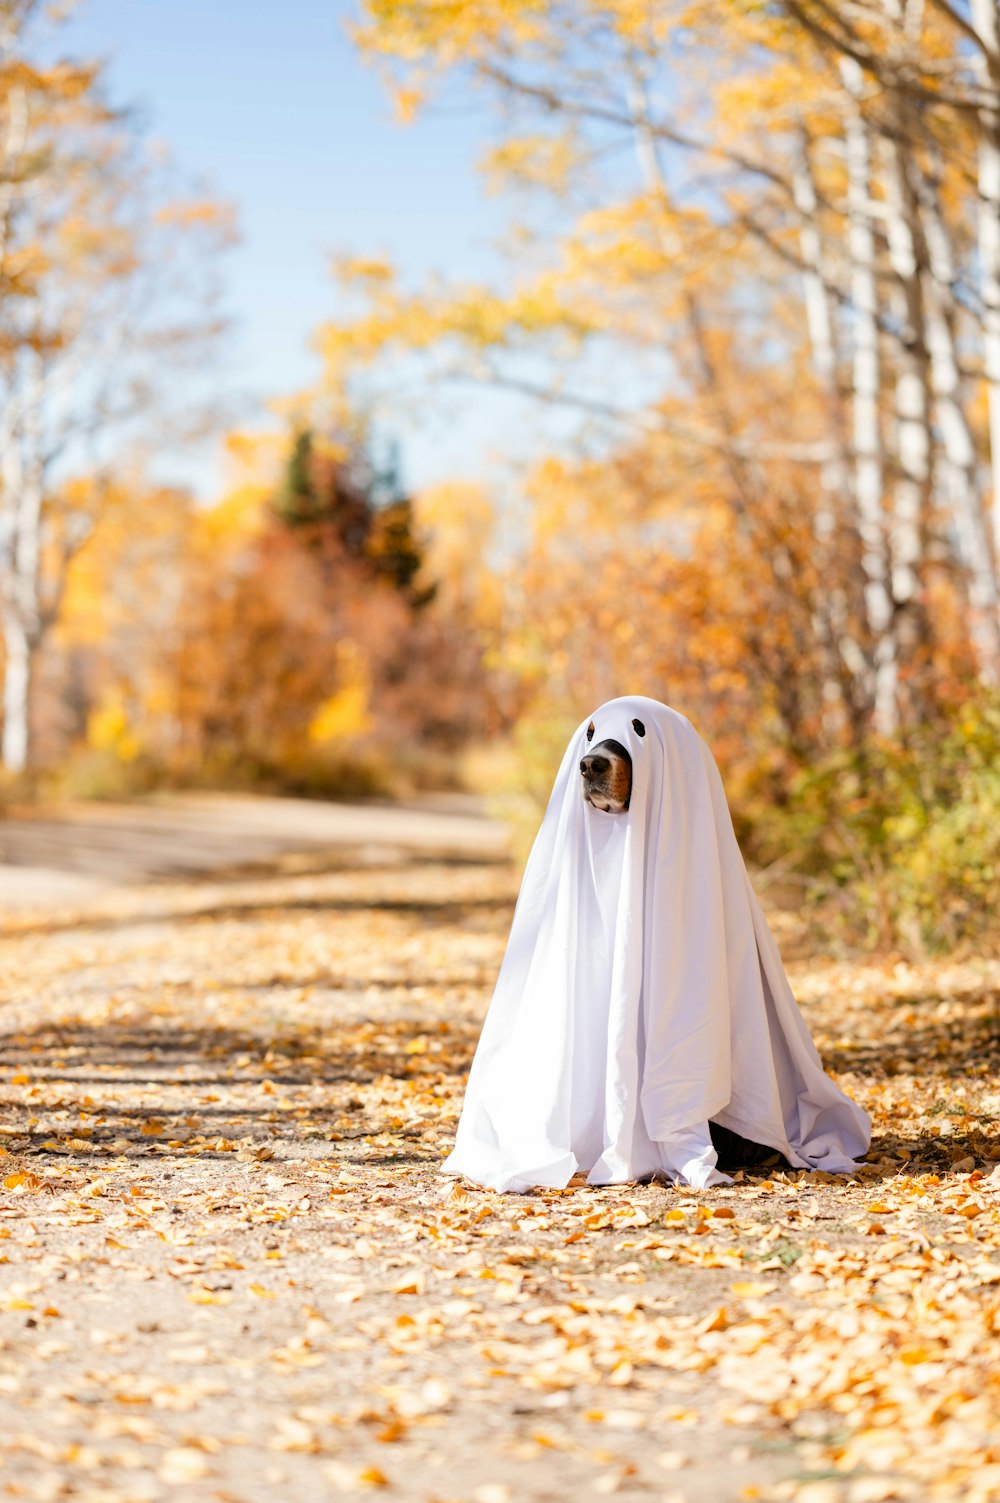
594	765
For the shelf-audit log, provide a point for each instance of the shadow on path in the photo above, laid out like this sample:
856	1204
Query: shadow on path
97	1089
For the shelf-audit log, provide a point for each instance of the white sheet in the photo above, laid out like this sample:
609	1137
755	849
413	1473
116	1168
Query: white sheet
642	994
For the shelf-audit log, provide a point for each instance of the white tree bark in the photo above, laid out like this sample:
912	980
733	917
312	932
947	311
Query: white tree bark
14	742
831	623
867	438
21	473
958	465
18	655
913	438
986	20
819	321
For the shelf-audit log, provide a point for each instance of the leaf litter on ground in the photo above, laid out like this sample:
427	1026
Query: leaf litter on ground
228	1263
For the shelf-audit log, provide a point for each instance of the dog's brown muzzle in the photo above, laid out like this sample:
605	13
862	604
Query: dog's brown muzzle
606	777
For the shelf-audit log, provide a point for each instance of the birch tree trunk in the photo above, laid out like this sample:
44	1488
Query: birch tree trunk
18	663
959	483
986	20
22	472
912	490
819	321
843	661
18	653
867	439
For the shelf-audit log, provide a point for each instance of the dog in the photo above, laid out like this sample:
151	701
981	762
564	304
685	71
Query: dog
606	775
606	783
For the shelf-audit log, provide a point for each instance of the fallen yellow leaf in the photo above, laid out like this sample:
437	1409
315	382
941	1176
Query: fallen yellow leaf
412	1284
372	1476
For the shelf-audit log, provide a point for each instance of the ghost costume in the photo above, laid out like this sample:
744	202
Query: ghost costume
641	995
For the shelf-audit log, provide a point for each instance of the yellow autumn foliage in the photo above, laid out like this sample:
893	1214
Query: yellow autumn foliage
109	730
346	715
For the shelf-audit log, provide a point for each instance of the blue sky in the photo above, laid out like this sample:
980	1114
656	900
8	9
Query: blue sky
274	107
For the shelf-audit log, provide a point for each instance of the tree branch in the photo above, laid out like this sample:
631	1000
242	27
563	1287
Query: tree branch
956	18
654	422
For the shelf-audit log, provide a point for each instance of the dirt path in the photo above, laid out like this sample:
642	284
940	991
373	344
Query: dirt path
229	1270
88	849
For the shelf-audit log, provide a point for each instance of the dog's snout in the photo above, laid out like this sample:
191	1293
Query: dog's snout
607	777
